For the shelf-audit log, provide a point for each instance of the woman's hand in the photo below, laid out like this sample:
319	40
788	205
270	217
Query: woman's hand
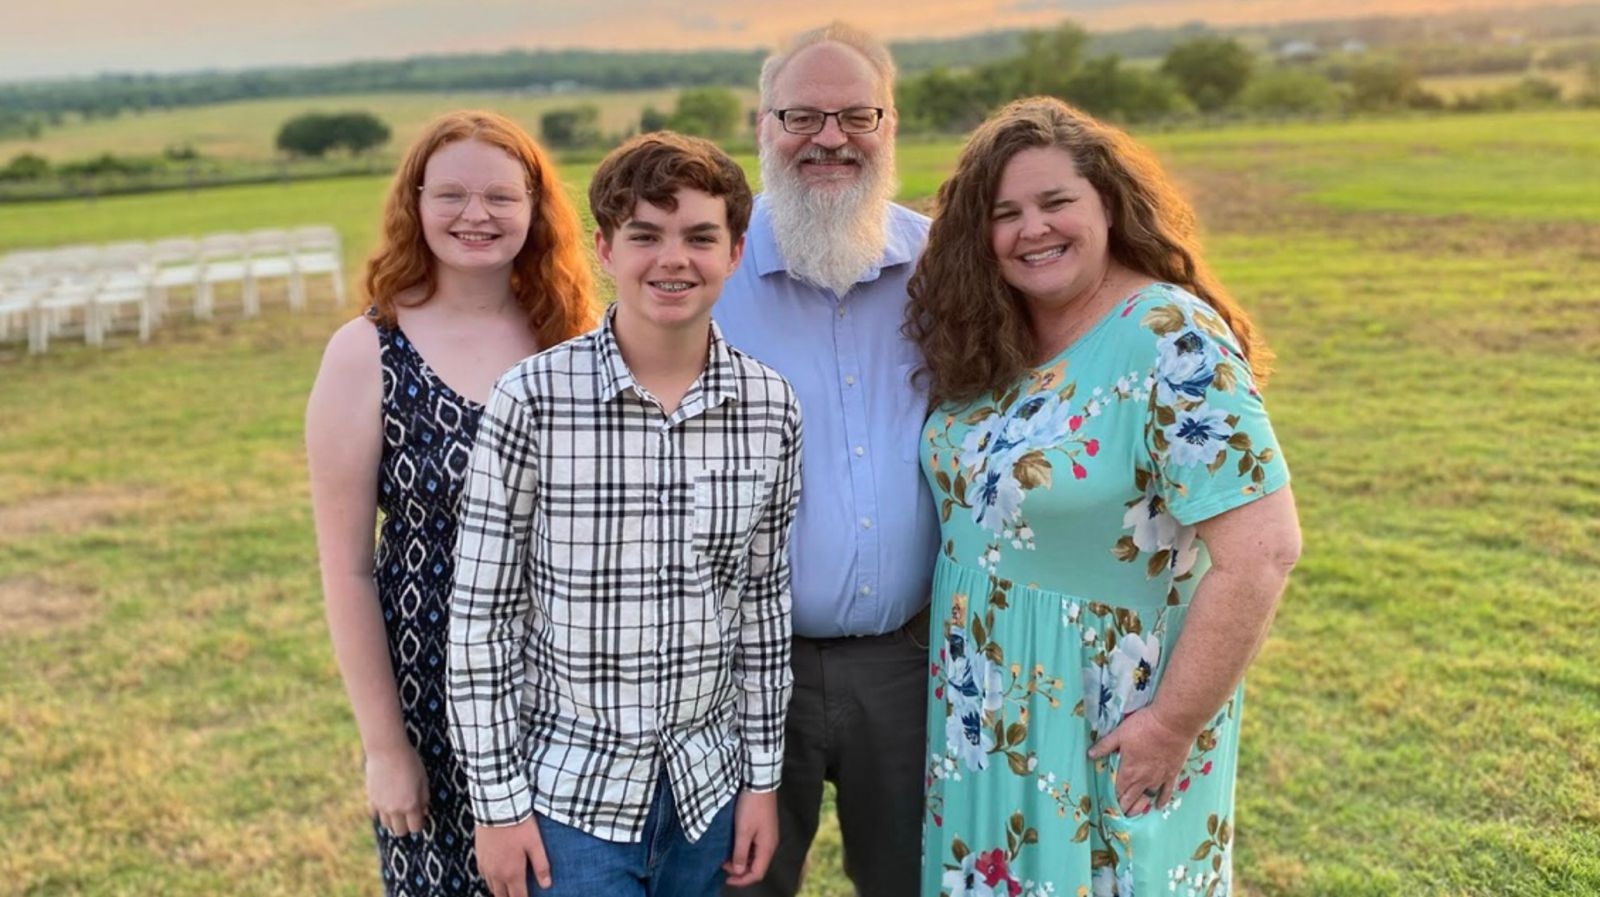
397	790
1152	756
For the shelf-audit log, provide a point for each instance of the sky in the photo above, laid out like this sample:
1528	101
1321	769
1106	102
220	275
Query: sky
70	38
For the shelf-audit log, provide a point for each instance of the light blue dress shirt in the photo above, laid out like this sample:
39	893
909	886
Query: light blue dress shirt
866	533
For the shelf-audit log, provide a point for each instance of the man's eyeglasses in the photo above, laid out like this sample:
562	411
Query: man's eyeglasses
805	122
450	198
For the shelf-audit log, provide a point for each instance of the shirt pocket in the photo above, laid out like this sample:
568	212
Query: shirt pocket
727	502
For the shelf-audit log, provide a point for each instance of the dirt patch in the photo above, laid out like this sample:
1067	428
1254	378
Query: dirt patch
32	605
68	512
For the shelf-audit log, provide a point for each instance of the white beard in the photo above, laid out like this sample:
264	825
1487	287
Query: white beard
832	235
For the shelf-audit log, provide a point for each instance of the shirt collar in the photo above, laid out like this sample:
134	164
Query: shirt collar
761	244
718	383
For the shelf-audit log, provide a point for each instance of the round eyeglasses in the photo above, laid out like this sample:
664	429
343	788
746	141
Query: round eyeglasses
854	120
450	198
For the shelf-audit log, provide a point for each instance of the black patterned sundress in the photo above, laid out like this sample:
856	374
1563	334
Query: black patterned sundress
427	441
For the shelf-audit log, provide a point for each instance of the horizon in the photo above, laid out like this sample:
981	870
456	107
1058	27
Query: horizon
191	37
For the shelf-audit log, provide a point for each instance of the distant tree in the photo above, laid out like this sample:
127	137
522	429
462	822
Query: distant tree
181	152
1288	91
359	132
25	167
314	134
1590	95
1210	70
1382	85
711	112
652	119
944	100
1048	62
1529	93
572	126
108	164
941	101
1105	87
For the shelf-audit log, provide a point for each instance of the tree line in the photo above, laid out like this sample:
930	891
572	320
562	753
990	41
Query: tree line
1451	43
1207	74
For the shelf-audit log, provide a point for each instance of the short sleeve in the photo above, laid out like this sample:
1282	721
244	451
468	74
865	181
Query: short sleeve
1210	442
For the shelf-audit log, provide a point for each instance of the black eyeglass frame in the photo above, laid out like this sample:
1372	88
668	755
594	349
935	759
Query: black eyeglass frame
782	115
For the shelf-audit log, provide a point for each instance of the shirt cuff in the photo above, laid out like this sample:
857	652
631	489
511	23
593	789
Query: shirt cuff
502	803
763	770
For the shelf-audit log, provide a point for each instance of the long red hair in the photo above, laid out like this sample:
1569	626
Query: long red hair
550	276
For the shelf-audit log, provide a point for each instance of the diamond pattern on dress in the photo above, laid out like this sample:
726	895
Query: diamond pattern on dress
427	442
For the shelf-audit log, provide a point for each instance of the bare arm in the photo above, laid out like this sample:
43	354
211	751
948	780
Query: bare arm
1253	548
343	449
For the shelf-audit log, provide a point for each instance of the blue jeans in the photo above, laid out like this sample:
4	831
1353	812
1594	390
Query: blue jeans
663	864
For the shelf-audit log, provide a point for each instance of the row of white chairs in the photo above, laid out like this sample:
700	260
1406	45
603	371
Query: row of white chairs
93	290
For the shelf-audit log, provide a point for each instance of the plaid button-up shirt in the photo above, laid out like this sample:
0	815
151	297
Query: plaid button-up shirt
622	590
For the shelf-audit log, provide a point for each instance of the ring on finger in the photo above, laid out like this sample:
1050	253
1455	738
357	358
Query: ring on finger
1152	793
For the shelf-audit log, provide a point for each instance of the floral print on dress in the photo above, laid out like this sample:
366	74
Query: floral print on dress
1068	504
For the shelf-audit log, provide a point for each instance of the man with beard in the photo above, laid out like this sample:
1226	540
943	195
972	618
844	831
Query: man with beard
821	297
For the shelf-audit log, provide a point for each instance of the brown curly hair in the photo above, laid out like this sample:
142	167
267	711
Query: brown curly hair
970	324
654	167
550	275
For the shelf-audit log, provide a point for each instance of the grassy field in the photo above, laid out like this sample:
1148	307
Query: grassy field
1424	720
246	130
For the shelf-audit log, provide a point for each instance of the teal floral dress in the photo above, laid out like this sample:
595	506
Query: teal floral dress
1069	557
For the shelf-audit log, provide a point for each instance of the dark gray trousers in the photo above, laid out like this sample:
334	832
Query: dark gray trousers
857	719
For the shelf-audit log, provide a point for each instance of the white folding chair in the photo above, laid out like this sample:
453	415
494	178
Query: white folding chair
224	258
176	264
272	258
67	260
67	307
317	251
122	285
19	309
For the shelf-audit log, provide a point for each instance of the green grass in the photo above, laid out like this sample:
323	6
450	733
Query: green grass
1528	166
1424	720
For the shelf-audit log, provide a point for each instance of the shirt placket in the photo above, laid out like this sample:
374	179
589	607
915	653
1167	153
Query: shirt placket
861	609
666	622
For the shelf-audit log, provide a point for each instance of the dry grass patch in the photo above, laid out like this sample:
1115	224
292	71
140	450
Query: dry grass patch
29	605
69	512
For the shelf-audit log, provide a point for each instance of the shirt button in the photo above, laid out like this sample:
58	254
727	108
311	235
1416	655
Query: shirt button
662	572
665	497
866	523
866	590
841	311
850	380
860	451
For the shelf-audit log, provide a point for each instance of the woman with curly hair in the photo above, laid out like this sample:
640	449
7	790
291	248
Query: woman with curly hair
1117	523
481	264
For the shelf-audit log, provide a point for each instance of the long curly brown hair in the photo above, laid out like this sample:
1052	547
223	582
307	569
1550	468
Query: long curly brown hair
550	275
970	324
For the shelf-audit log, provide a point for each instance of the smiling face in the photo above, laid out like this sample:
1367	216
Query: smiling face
484	234
1049	229
826	77
669	266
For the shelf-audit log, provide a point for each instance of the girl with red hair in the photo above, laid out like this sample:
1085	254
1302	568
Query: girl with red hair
480	265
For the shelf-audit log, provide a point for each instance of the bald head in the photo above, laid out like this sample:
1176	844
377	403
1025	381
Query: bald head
866	49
